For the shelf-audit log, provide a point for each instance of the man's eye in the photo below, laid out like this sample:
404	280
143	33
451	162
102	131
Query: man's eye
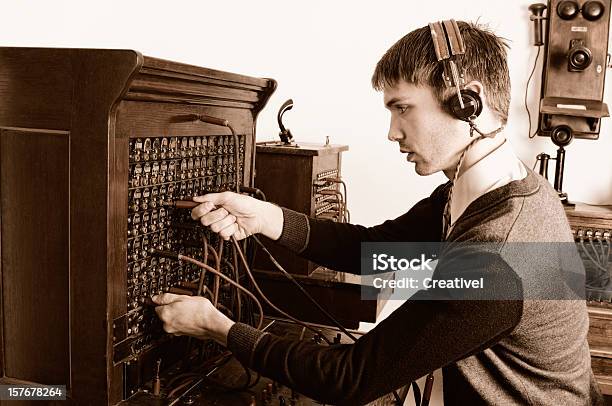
402	109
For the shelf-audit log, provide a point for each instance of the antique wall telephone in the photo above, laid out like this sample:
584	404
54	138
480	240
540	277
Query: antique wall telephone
573	78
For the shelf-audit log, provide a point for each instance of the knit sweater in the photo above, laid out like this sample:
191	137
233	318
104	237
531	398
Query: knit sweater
519	351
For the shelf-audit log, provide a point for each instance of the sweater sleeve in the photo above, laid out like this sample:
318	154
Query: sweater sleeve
424	334
338	245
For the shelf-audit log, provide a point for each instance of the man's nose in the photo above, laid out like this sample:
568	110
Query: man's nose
395	133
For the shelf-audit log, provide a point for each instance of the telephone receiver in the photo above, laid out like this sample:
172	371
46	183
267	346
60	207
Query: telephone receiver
537	16
285	133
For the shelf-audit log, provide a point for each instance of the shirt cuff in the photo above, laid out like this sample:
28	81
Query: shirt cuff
296	231
242	340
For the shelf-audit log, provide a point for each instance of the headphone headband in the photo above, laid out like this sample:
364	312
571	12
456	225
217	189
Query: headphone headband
448	43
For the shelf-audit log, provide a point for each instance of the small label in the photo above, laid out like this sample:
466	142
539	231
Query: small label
579	29
571	106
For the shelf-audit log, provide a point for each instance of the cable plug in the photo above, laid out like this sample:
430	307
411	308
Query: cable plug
166	254
157	380
181	204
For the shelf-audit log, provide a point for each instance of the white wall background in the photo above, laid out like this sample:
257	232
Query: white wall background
322	53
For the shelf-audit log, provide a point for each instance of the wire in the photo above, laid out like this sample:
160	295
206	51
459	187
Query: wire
183	385
339	201
203	271
446	216
347	216
218	362
179	377
535	64
265	298
217	282
192	377
593	260
182	257
214	253
237	276
599	259
254	191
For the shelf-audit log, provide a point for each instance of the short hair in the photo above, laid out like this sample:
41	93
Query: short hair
413	59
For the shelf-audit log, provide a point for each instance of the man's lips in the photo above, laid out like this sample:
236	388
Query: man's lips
409	155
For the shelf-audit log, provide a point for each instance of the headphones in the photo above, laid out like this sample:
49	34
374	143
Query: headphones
466	104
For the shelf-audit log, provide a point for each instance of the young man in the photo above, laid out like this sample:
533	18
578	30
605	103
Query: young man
509	351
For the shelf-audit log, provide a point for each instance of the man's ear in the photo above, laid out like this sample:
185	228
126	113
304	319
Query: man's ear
476	87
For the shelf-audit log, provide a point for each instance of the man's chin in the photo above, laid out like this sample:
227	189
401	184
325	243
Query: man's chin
423	170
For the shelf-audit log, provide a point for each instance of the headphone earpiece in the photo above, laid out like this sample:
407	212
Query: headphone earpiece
472	105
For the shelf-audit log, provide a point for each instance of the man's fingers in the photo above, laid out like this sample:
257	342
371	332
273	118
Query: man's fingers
221	224
165	298
209	202
228	231
201	210
214	216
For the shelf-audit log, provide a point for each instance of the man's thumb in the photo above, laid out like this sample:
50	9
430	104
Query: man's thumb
217	199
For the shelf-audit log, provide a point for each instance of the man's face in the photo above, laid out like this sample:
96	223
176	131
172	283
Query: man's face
430	136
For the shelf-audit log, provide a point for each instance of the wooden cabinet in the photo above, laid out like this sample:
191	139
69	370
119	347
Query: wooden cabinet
298	177
69	124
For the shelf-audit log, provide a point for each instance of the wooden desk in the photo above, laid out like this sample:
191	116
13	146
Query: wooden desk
586	221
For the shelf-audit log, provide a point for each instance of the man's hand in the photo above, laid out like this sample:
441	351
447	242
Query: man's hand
232	214
193	316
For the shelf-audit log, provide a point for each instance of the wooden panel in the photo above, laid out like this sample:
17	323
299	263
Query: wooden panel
600	330
179	87
303	148
101	79
602	367
157	64
287	181
605	385
172	82
586	216
36	88
35	255
117	255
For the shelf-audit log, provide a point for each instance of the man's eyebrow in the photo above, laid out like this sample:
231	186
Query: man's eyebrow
394	100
